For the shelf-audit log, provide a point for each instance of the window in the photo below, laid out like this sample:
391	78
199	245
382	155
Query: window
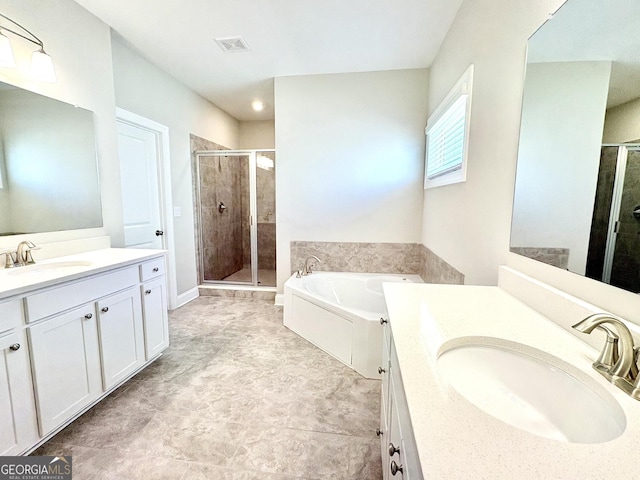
448	136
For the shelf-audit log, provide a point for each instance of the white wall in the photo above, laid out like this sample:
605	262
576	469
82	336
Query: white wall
80	46
257	135
559	156
622	123
350	153
142	88
469	224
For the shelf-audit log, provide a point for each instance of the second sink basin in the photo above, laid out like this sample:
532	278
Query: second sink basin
51	267
532	390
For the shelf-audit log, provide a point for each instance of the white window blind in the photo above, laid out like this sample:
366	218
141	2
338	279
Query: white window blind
448	136
445	140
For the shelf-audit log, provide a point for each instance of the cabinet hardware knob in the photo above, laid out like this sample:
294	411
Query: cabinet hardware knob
381	370
378	432
15	347
159	233
89	316
104	309
383	321
395	468
156	269
147	292
393	449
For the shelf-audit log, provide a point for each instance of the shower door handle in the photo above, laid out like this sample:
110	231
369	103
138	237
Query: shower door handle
221	207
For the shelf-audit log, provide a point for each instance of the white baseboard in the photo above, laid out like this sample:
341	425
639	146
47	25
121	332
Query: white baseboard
187	296
279	299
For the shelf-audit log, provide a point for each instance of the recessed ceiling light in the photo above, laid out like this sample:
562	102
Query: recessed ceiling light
257	105
232	44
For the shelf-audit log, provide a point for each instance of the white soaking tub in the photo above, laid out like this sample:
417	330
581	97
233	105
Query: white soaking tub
340	313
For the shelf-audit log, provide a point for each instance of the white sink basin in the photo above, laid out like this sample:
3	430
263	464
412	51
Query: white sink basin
51	267
532	390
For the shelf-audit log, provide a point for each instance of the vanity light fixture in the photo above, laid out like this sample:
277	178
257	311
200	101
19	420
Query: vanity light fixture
41	63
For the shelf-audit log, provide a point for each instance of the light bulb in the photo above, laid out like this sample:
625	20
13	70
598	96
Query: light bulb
42	67
6	53
257	105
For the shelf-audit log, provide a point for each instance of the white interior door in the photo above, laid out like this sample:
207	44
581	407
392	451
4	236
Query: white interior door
145	162
139	158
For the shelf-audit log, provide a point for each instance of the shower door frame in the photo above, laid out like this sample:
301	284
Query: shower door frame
616	201
253	217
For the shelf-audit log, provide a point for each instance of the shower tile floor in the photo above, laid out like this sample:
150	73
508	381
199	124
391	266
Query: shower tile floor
266	278
236	396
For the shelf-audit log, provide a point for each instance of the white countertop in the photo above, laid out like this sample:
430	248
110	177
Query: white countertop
455	439
14	282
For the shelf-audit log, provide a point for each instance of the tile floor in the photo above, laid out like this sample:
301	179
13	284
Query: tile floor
236	396
266	278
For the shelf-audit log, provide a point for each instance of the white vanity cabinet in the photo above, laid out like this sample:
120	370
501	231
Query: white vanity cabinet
65	354
18	422
67	341
398	447
121	336
154	303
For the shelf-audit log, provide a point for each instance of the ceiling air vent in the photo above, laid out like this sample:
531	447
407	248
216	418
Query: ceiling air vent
232	44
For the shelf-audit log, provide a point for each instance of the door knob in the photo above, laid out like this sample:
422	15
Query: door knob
378	432
15	347
159	233
221	207
88	316
105	309
383	321
147	292
393	449
381	370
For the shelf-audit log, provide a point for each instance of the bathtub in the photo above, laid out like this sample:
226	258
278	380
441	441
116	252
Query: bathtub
340	313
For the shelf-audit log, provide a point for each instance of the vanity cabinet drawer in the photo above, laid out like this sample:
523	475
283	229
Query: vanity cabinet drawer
10	315
59	299
151	269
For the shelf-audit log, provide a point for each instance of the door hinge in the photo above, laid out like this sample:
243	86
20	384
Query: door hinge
616	226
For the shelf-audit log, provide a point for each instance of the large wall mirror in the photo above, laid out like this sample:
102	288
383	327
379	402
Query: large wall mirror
48	165
577	193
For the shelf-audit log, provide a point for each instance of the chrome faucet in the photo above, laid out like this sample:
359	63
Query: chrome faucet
618	360
308	264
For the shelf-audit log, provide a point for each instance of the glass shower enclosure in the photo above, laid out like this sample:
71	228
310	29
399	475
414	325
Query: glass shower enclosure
614	243
235	216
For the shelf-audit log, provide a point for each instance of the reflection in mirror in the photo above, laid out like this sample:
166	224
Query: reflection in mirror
577	195
48	165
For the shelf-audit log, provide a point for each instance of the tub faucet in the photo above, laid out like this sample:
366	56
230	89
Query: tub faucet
308	264
617	362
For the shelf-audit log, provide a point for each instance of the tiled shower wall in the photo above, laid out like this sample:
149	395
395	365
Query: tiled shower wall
222	180
410	258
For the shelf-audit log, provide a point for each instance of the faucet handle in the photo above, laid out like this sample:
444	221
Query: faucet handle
610	352
10	258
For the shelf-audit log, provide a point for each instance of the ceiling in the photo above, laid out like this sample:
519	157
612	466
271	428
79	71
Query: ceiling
286	37
574	33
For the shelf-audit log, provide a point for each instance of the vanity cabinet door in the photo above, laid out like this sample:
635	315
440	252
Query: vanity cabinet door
156	322
66	365
121	336
18	424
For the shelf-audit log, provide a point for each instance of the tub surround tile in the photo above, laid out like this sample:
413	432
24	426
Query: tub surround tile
436	270
409	258
557	257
